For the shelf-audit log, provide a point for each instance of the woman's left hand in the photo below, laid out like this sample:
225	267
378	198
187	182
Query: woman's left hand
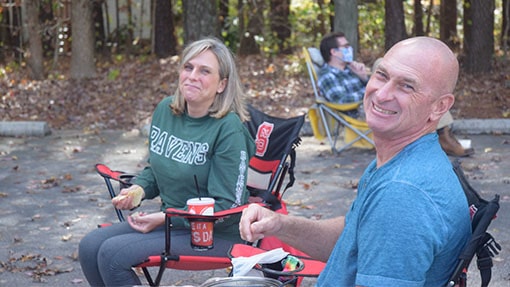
144	222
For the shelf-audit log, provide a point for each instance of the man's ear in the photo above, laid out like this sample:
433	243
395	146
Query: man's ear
441	106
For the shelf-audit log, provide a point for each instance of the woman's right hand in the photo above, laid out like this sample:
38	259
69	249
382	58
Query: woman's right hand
129	198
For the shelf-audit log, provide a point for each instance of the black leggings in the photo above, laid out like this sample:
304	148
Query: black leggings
108	254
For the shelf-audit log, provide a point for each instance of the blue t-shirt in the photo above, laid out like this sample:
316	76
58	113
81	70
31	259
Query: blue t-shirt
407	225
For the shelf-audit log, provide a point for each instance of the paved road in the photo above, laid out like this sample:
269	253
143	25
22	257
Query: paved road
50	197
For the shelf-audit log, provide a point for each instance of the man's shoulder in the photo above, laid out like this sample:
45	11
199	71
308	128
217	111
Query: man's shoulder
326	72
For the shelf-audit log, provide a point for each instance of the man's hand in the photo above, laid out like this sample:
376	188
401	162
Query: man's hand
257	222
129	198
359	69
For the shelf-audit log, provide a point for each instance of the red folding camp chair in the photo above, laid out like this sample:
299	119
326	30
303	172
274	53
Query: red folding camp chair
271	167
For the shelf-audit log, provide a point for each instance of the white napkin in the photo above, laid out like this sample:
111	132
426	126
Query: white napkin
243	265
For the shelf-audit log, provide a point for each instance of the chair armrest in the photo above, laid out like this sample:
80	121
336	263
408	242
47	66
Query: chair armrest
308	267
173	212
116	175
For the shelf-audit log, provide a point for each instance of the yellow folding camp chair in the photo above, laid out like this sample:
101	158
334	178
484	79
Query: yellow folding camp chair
328	118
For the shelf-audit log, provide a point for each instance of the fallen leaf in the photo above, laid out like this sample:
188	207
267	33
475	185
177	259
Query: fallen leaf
77	281
67	237
71	189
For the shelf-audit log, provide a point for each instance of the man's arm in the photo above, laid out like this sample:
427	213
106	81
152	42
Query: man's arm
315	238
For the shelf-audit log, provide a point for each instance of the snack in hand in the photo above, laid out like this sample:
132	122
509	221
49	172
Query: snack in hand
136	193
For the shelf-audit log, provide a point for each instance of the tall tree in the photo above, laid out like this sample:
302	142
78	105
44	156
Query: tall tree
467	24
448	23
82	46
99	29
200	19
34	56
418	19
394	29
280	10
253	27
322	17
480	47
505	29
346	20
165	42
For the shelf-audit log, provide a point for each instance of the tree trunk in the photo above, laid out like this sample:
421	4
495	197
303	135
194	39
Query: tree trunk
481	46
82	46
99	33
467	25
200	19
321	17
253	12
395	29
165	42
418	19
280	10
34	56
346	20
448	23
505	29
222	17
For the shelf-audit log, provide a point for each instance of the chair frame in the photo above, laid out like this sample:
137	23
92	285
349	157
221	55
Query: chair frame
337	111
481	242
271	198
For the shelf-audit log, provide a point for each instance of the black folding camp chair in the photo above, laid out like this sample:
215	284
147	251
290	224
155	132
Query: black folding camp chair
271	167
481	242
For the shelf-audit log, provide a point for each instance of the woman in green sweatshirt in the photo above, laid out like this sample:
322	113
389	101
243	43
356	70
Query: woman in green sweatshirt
199	133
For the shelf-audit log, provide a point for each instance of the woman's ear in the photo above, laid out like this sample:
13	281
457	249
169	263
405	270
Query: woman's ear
222	85
441	106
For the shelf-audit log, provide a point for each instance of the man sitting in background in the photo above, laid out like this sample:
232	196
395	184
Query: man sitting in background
343	80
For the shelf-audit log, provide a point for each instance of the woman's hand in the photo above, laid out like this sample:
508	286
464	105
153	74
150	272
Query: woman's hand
144	222
129	198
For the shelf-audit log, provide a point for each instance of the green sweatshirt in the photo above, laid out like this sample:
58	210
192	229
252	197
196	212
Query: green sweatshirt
216	151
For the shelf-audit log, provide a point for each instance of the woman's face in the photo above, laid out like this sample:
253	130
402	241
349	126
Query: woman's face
199	80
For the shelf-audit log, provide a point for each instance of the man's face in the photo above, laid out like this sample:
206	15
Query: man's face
340	51
399	96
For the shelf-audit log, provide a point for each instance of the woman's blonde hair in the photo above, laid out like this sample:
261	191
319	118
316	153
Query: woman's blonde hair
232	97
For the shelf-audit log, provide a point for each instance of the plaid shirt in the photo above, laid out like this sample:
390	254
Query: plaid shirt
339	86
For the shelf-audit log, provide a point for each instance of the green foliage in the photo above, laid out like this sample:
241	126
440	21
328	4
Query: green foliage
305	21
113	74
371	32
229	32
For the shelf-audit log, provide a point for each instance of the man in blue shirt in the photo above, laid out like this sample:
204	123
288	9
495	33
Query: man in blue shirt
410	219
